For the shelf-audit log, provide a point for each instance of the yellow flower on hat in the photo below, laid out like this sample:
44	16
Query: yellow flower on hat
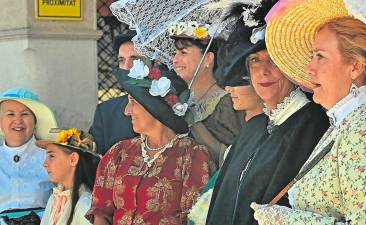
65	135
200	33
62	137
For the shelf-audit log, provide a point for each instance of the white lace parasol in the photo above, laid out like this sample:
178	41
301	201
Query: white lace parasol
152	18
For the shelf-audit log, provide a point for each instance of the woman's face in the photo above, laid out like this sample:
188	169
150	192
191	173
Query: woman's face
60	165
186	60
328	70
244	97
17	122
268	81
142	120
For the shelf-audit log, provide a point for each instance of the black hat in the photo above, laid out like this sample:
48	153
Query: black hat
232	53
122	38
161	108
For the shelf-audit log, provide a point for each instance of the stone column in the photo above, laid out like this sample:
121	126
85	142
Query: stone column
56	59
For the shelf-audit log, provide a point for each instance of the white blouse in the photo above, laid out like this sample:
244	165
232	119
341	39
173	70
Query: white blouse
23	180
64	207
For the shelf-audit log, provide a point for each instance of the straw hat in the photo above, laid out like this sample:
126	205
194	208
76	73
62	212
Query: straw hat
191	30
44	115
73	139
291	28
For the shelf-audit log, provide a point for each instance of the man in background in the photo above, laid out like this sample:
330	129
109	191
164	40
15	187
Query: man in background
110	124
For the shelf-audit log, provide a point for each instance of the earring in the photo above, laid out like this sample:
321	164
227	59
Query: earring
354	90
207	66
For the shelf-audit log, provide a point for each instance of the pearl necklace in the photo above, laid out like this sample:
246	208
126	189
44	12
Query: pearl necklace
149	161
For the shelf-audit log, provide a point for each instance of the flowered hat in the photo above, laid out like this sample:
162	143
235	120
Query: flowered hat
246	38
72	139
44	115
292	25
162	93
191	30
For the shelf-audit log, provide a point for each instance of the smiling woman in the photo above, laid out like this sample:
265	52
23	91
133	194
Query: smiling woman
214	123
17	131
25	185
271	147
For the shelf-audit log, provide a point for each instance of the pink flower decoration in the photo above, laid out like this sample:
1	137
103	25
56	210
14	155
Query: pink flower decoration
281	7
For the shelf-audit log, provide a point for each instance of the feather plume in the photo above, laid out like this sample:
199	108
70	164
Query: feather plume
234	8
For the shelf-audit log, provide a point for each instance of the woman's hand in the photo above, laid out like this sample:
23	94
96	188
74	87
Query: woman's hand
270	215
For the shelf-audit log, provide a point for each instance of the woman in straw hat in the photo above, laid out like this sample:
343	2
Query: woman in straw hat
271	147
25	186
156	177
327	55
213	122
71	163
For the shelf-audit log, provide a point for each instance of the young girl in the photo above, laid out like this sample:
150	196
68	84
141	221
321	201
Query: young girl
71	163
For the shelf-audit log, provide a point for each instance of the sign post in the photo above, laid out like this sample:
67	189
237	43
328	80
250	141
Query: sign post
59	9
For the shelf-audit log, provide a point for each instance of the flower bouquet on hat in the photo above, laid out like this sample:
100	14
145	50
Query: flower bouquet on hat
161	92
160	85
72	139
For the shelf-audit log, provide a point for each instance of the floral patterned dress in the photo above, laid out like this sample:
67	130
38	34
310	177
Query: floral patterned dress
334	191
127	191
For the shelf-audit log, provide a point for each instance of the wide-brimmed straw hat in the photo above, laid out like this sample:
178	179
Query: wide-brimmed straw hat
291	28
44	115
72	139
162	93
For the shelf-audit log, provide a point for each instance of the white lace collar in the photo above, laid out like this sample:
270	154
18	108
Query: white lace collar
345	106
290	104
20	149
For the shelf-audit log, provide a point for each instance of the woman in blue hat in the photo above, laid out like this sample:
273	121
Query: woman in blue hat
25	185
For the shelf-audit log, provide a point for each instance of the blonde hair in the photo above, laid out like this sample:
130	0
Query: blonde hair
351	36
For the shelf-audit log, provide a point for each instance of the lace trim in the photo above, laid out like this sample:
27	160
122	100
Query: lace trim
346	105
60	191
290	104
205	107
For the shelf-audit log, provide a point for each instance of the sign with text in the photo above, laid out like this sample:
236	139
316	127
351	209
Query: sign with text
59	9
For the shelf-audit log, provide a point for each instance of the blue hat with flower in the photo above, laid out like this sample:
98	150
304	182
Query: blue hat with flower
45	119
161	92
